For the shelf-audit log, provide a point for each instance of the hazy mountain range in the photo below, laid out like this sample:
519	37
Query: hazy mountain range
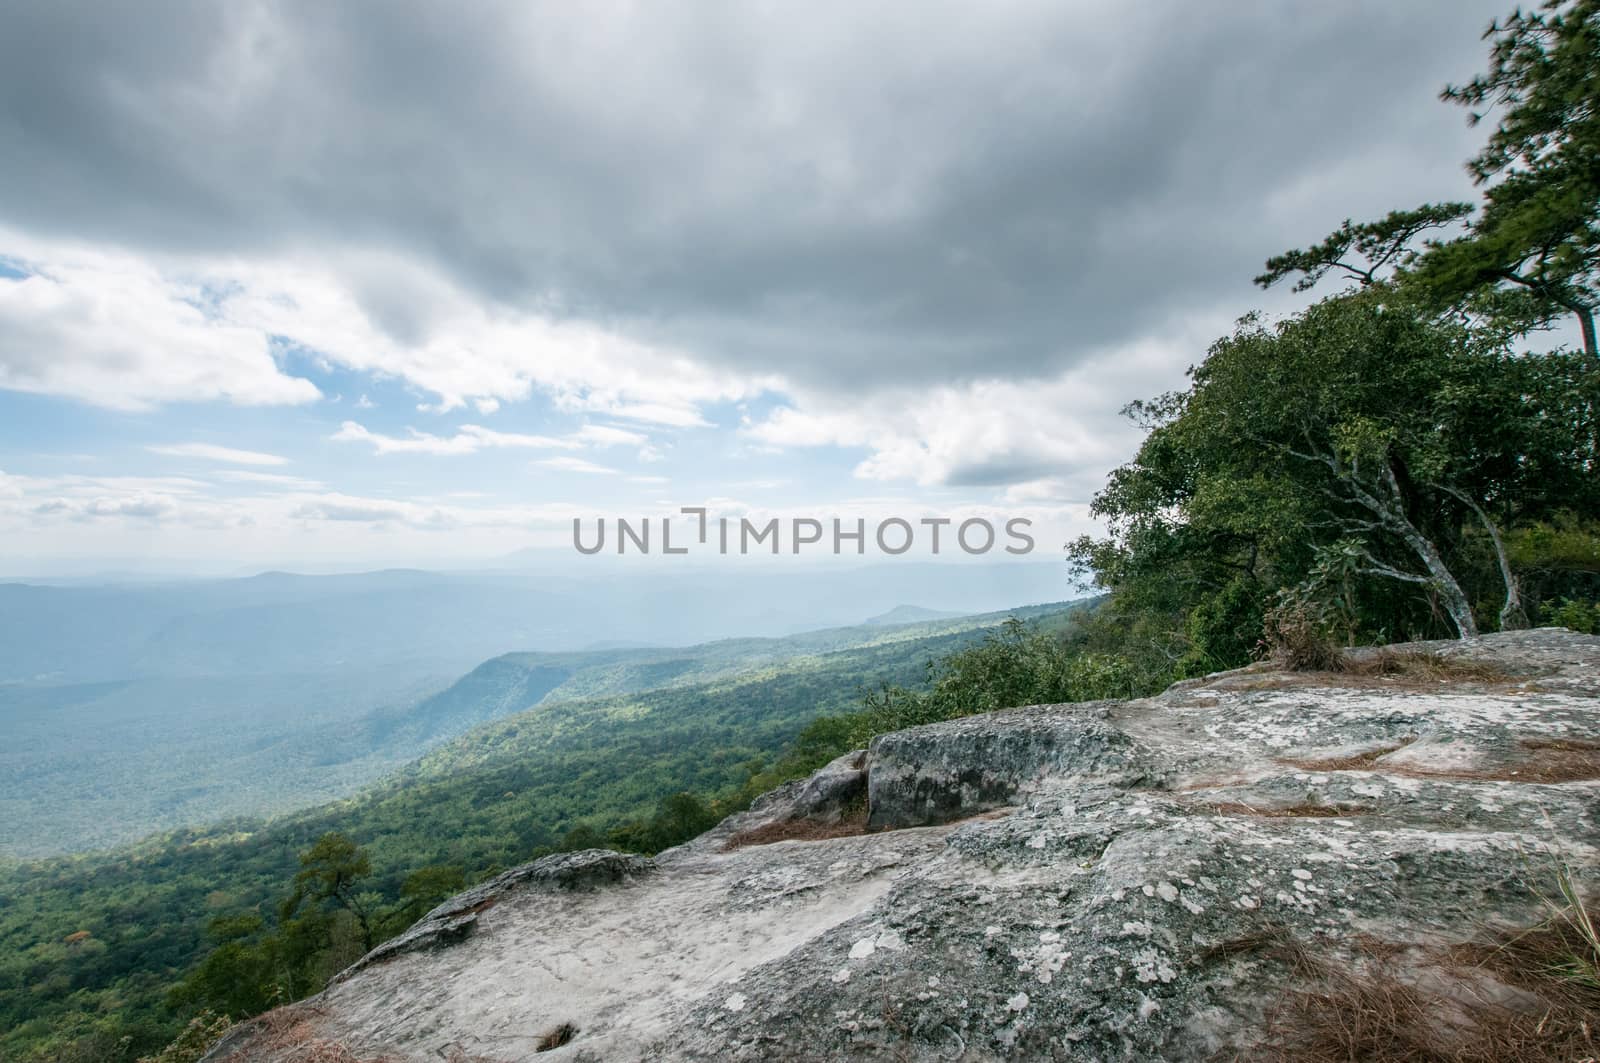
130	708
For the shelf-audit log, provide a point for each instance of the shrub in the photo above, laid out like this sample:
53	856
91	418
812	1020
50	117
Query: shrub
1578	616
1299	638
195	1040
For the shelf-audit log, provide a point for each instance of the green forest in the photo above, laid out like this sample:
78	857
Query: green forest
1411	456
105	956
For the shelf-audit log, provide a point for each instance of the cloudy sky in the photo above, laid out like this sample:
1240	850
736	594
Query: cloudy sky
390	282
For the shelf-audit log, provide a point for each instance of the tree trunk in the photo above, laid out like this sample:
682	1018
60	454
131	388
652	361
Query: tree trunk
1387	502
1586	323
1513	617
1393	514
1450	593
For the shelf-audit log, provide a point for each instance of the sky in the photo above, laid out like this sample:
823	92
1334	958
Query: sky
294	284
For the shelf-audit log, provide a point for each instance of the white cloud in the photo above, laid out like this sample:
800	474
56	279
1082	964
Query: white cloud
576	465
338	507
114	331
1050	489
649	412
212	452
459	348
600	435
85	499
344	509
130	332
1060	434
288	521
272	479
469	439
141	506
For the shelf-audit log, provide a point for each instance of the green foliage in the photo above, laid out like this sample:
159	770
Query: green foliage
678	818
1558	562
1577	616
196	1039
1366	252
330	871
1564	545
1534	250
1017	665
324	923
1223	628
427	886
96	765
248	971
1362	455
1500	447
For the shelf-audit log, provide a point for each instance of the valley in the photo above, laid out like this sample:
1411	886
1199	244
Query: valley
549	749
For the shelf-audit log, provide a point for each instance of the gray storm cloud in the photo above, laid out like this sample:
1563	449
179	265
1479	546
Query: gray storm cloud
853	196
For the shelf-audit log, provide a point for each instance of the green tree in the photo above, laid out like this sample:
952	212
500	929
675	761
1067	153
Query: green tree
427	886
1529	254
329	872
194	1042
1367	253
244	975
1358	422
1532	253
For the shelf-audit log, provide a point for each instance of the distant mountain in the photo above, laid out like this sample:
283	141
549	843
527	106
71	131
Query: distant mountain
909	614
615	644
89	765
427	623
515	682
416	623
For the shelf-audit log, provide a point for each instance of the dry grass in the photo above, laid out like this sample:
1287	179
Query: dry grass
288	1035
1390	668
1378	1010
1559	769
1421	666
1556	958
1560	760
1549	760
1352	762
1272	940
852	823
1297	640
1301	811
556	1037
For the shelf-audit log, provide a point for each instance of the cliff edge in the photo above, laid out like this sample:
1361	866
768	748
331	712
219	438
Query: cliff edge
1182	877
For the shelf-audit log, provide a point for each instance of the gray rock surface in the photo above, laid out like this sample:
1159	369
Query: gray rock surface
824	797
451	922
1086	882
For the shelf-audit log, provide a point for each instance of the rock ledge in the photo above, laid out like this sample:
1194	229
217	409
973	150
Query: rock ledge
1086	882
